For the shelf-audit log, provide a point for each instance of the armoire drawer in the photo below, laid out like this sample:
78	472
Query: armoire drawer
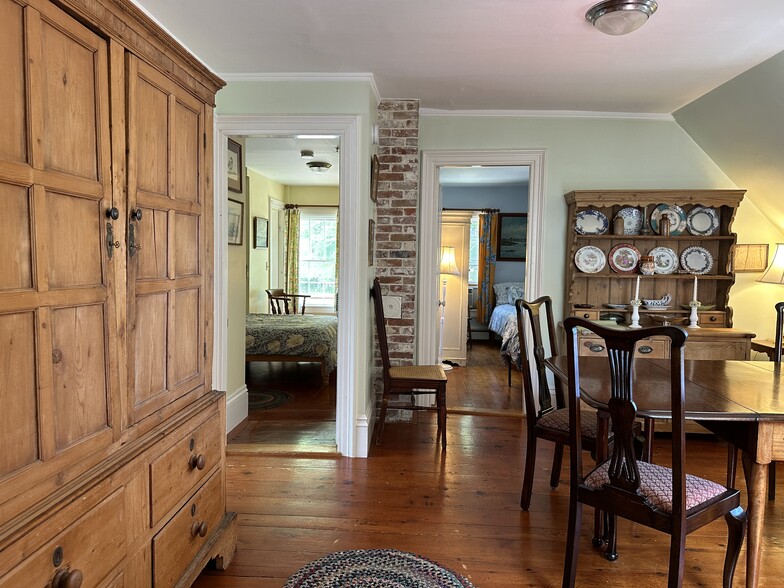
180	540
176	473
648	348
91	546
712	319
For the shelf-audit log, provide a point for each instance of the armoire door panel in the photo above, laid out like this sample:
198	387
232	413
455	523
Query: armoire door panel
18	395
186	340
13	122
186	247
151	120
15	238
75	235
78	373
73	62
152	234
186	152
150	328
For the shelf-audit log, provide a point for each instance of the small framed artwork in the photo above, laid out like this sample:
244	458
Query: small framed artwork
750	258
260	232
235	222
374	166
234	167
371	241
512	233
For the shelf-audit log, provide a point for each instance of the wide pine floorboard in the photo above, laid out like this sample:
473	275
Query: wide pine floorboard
460	508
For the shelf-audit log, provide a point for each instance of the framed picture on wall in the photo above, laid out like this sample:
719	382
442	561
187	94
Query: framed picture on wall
234	167
260	232
235	222
512	233
371	240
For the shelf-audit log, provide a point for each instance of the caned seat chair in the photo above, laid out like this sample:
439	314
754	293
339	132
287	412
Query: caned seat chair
732	458
546	421
410	380
655	496
279	302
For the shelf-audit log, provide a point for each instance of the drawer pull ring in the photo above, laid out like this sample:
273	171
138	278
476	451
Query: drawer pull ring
645	349
197	461
67	579
596	348
199	529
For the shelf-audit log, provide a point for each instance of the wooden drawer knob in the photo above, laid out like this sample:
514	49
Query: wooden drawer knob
713	319
197	461
199	529
67	579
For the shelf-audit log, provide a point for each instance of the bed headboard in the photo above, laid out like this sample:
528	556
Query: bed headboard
507	292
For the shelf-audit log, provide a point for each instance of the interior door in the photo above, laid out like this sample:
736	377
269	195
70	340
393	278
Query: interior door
166	228
57	333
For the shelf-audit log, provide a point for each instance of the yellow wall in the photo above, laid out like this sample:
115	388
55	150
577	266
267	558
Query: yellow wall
261	190
237	303
313	195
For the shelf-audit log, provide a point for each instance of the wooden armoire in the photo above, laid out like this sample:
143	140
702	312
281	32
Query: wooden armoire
112	441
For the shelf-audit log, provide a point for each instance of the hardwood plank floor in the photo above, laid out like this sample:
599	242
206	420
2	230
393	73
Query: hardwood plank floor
460	508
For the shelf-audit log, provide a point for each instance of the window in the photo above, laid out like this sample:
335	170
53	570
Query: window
317	255
473	252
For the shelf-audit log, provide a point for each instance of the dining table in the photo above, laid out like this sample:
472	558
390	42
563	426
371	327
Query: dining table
742	402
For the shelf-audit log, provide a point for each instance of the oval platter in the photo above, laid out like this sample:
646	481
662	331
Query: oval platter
665	260
591	222
676	215
589	259
624	258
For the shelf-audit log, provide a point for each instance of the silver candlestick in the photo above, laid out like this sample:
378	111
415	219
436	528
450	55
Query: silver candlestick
694	317
635	314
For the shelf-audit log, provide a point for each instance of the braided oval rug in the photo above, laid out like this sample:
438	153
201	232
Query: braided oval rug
375	568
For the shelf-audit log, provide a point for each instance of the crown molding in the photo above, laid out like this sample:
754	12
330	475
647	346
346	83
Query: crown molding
435	112
304	77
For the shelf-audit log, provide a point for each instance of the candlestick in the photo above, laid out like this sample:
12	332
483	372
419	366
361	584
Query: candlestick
635	324
694	295
637	289
694	317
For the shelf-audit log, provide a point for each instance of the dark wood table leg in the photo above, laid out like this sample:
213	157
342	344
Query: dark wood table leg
756	484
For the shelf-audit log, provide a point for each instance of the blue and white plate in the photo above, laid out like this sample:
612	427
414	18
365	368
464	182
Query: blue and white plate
591	222
674	213
696	260
702	221
632	220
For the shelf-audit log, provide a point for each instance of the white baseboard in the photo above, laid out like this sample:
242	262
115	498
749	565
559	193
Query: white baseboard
236	407
363	432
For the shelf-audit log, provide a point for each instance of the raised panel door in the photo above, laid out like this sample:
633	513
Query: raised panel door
166	297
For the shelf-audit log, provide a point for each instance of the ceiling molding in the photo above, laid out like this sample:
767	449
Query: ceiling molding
435	112
304	77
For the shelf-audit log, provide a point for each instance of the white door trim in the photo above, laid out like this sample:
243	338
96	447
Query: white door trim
430	231
350	329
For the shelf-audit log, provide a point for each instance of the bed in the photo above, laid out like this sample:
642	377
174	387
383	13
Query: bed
503	322
293	337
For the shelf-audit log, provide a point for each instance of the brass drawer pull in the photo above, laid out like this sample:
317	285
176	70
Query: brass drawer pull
67	579
197	461
199	529
645	349
596	348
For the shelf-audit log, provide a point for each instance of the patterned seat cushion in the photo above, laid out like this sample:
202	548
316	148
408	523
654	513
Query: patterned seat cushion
558	420
656	485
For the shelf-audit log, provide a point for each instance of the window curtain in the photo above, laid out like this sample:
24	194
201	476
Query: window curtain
291	238
337	256
488	229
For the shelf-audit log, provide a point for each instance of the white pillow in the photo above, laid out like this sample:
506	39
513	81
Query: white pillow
502	292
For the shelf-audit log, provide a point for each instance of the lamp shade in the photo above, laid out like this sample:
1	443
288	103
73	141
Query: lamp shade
620	17
775	272
448	265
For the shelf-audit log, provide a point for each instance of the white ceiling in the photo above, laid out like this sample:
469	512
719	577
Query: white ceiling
279	159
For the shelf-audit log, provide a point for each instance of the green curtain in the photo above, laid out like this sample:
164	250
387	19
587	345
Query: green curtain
291	238
488	230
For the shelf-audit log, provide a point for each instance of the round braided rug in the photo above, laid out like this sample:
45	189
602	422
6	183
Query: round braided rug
375	568
266	399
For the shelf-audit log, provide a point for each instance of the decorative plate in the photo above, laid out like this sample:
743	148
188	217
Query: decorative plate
591	222
676	215
589	259
624	258
696	260
617	306
665	260
632	220
702	221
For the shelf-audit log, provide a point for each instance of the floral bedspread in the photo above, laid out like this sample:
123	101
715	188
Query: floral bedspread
503	321
298	335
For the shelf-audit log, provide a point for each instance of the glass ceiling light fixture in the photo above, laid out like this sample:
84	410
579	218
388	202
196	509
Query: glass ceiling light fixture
306	154
620	17
319	167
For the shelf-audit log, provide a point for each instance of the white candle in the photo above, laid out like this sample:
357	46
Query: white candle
694	296
637	289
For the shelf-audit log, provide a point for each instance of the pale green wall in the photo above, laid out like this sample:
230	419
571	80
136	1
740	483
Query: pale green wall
261	190
313	195
582	153
237	303
740	125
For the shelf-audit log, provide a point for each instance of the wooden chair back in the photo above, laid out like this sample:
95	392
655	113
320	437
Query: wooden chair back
381	327
779	327
278	301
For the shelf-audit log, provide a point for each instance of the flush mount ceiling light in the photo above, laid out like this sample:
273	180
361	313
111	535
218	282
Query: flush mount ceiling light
306	154
620	17
320	167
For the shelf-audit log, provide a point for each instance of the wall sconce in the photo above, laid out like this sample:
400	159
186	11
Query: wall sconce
750	258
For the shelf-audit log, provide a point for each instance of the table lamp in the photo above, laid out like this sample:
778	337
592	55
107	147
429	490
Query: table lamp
775	272
448	268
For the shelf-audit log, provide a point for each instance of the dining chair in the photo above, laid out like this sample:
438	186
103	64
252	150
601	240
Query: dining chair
666	499
279	302
412	380
732	456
